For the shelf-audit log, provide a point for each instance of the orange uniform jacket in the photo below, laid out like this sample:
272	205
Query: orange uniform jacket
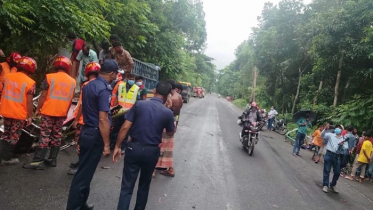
14	96
6	70
114	94
60	94
80	121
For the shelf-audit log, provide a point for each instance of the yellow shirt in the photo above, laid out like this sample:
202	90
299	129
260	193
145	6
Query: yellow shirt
368	148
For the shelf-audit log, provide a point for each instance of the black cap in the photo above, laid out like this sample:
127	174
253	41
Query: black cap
109	65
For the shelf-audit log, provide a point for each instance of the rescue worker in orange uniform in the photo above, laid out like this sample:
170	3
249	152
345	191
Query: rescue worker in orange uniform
91	72
16	106
10	66
57	93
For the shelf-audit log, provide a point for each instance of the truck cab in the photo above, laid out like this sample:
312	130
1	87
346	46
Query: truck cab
199	92
186	93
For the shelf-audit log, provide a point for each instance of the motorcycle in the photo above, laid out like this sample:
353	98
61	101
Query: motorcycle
250	137
279	126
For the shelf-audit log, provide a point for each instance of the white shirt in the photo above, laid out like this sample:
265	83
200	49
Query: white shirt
272	113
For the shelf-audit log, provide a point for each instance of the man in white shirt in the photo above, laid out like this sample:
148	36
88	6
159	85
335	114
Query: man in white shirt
271	116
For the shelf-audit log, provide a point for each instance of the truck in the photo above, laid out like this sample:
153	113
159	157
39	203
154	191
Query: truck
186	93
199	92
149	71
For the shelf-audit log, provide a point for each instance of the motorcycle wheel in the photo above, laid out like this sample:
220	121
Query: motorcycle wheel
265	127
251	145
283	130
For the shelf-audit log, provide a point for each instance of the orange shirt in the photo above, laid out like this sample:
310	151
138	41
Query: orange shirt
317	138
6	70
80	120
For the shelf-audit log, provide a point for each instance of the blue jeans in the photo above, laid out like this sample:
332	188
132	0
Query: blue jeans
270	121
298	142
331	160
369	170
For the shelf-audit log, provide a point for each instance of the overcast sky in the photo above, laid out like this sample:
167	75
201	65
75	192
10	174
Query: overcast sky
229	23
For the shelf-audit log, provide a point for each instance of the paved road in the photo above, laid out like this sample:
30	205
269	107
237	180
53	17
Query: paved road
213	172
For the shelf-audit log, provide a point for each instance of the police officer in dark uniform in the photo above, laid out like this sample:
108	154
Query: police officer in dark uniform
94	137
145	123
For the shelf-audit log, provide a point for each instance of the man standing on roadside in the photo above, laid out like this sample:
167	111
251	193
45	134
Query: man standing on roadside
142	152
304	123
365	156
105	52
166	159
271	116
77	45
334	141
85	56
94	138
122	57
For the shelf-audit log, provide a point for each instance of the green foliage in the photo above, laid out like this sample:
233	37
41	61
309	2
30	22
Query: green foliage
170	34
357	112
241	103
309	43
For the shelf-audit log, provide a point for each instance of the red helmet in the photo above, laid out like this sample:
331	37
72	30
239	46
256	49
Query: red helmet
119	77
14	56
27	64
254	104
62	62
91	67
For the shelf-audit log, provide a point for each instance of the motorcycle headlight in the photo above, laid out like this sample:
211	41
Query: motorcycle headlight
64	128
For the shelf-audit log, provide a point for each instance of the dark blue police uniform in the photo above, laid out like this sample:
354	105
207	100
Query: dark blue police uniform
95	98
149	119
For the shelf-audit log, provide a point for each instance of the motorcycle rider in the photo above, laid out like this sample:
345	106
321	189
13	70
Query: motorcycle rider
91	72
54	103
250	115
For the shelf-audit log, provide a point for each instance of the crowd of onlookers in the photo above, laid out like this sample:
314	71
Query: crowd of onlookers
352	148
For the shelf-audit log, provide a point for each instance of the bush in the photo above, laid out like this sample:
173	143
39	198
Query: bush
241	103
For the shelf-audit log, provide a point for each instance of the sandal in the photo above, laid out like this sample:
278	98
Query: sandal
350	178
167	173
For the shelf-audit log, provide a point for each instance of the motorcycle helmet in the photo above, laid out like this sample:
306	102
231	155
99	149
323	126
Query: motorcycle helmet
63	63
92	68
14	56
27	64
239	122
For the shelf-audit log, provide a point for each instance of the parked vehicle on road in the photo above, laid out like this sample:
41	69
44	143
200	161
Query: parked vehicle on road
185	94
199	92
251	135
279	125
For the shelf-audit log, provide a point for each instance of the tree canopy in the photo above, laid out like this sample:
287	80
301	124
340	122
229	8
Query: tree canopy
316	56
170	34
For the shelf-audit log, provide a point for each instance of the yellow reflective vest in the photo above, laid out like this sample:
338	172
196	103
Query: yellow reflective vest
127	99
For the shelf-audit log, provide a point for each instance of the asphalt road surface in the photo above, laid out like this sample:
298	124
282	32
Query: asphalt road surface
213	172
